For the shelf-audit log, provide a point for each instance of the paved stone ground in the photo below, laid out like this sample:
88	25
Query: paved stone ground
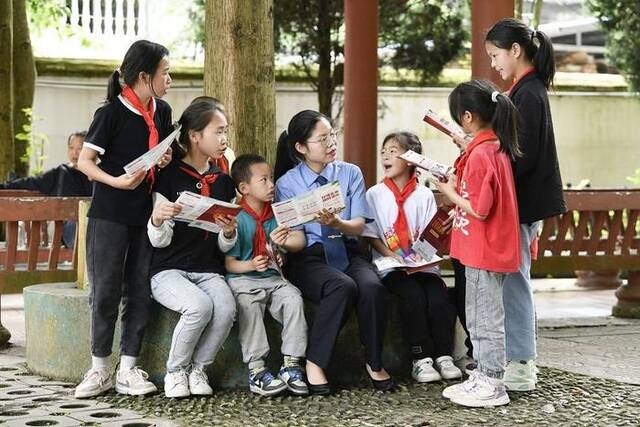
563	399
589	376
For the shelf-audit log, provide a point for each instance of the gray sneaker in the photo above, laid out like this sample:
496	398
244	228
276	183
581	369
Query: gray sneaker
94	383
134	382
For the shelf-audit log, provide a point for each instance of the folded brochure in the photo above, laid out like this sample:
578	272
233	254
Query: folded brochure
435	233
436	169
202	212
305	207
151	157
411	265
448	128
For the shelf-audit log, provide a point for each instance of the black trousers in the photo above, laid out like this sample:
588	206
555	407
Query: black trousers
336	293
118	260
426	313
459	297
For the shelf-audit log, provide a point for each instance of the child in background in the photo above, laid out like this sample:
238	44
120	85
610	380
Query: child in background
258	286
402	209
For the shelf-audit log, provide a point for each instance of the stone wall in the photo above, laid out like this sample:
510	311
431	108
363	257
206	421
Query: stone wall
594	132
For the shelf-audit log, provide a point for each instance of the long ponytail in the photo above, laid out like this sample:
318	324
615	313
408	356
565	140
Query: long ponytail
114	87
299	130
504	123
284	158
484	100
508	31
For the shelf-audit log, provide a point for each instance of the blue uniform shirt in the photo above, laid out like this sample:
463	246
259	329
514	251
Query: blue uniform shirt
301	179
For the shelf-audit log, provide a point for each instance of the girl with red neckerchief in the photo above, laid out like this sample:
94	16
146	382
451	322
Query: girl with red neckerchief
524	58
187	268
401	210
132	121
485	235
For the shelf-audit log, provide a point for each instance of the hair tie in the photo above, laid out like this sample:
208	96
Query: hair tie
494	96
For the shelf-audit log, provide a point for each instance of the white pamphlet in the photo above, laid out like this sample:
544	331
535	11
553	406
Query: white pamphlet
151	157
304	208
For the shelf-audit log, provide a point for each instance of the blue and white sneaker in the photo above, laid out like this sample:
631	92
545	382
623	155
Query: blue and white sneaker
262	382
293	376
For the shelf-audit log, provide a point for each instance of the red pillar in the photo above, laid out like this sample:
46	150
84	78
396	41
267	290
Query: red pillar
361	85
485	13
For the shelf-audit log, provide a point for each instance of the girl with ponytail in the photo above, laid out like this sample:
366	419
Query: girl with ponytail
132	121
524	58
485	236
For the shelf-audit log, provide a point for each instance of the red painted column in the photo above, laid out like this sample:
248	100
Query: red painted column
485	13
361	85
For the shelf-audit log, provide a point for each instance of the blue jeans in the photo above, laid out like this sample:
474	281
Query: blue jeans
208	311
485	320
520	313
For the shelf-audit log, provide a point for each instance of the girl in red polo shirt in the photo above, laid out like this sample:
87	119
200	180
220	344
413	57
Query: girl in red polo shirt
485	235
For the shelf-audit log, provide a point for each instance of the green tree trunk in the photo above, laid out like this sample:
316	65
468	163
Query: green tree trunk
6	89
239	70
24	72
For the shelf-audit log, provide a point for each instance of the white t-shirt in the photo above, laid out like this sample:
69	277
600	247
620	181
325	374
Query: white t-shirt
419	208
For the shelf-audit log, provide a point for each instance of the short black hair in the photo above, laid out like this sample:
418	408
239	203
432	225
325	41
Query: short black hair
241	167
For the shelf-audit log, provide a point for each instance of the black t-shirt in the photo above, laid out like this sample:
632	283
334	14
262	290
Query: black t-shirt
191	249
120	135
61	181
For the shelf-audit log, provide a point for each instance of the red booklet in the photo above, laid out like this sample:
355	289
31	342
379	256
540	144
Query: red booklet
218	210
435	232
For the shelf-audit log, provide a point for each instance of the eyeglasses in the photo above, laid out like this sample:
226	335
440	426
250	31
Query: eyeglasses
324	140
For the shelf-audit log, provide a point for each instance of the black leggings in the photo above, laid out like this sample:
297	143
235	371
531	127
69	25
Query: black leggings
336	294
426	313
459	297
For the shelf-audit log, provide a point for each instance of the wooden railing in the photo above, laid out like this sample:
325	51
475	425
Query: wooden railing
38	262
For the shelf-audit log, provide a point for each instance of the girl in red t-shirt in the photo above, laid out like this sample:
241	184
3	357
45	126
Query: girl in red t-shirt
485	231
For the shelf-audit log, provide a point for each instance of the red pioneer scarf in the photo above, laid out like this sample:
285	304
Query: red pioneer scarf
401	226
260	238
147	115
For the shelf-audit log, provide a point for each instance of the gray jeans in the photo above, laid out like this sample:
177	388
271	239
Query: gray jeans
520	313
284	301
485	320
208	312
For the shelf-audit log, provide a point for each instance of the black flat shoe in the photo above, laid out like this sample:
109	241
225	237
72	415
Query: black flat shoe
383	385
319	389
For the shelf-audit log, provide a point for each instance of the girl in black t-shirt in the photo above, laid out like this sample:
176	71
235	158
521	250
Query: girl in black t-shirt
132	120
187	272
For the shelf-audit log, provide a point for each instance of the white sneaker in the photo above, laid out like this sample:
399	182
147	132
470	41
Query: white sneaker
199	382
448	371
134	382
95	382
176	384
481	393
453	390
520	376
423	371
